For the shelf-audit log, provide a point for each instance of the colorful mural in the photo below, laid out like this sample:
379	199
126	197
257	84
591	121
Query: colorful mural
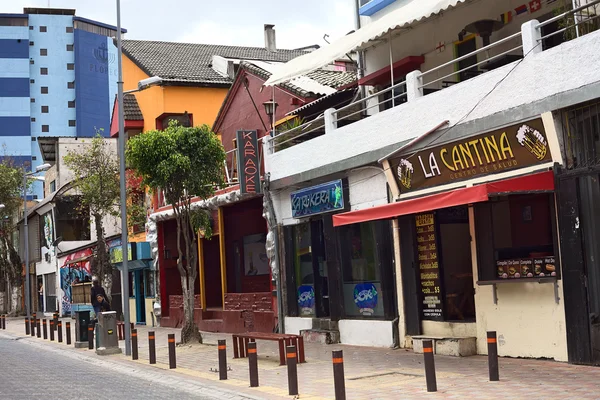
73	271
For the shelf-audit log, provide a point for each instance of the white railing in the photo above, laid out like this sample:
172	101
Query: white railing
231	175
592	11
578	19
486	60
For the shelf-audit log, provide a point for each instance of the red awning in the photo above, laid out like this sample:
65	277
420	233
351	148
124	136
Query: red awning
543	181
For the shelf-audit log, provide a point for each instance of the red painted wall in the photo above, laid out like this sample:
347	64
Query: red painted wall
243	219
239	112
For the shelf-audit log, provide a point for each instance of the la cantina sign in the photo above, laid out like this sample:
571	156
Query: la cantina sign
517	146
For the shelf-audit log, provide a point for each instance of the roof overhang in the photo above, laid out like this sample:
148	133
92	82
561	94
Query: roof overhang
411	13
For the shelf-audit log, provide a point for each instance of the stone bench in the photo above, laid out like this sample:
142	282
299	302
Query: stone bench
447	346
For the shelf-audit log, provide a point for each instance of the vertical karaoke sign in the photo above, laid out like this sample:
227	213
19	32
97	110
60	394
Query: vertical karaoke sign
248	162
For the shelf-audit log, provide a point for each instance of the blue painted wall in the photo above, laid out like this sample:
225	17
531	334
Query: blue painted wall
96	77
55	41
21	99
15	130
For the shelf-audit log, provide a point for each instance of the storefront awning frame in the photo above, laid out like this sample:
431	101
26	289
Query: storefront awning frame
403	17
536	182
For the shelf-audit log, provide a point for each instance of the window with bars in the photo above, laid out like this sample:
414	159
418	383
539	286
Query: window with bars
581	135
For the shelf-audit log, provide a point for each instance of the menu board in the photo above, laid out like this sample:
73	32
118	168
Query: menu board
429	268
526	268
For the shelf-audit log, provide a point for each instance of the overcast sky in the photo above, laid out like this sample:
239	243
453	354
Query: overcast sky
298	23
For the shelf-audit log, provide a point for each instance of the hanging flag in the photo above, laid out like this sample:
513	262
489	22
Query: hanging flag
506	17
535	5
521	10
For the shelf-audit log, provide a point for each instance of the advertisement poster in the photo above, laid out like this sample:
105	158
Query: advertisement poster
365	298
256	261
306	300
429	267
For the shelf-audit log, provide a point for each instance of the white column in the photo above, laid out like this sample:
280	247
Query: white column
413	83
531	35
267	151
330	120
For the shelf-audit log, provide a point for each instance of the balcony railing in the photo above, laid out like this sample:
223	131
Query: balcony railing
573	24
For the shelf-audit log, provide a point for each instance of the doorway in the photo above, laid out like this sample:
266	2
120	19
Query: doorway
309	270
457	269
140	296
462	48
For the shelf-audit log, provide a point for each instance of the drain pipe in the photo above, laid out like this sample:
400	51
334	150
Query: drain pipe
359	58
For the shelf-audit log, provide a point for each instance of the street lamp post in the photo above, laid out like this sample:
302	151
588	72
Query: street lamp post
143	84
40	168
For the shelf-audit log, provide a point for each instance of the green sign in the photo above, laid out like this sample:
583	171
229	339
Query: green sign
116	254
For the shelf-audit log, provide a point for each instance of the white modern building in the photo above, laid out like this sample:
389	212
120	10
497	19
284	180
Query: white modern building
461	182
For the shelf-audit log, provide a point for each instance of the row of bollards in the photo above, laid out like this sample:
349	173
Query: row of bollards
34	325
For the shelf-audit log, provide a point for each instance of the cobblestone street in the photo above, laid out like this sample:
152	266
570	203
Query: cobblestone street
371	373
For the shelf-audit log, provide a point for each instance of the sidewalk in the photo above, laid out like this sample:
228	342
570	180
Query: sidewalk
371	373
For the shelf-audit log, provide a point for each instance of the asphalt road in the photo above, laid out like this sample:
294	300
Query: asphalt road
29	371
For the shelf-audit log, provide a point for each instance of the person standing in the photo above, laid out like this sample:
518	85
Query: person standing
98	297
41	296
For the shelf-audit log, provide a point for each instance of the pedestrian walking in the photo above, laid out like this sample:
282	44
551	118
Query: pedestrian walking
98	297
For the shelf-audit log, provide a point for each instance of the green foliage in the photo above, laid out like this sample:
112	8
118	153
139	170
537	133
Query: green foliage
11	181
96	176
95	171
181	161
184	163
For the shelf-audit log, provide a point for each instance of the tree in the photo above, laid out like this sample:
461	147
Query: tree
183	163
96	179
11	181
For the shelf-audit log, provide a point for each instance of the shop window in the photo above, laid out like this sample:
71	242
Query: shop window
581	135
361	272
515	237
131	284
72	219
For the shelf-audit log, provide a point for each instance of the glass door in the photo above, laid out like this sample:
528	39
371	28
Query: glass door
310	270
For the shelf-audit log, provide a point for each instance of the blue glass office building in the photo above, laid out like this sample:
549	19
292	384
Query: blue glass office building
58	77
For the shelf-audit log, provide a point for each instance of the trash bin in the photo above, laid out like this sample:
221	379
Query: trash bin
106	331
82	320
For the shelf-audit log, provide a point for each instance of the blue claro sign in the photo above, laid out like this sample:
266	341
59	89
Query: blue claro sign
326	197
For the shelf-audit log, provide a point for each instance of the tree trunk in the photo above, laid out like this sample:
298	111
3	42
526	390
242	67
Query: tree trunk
16	301
189	332
103	268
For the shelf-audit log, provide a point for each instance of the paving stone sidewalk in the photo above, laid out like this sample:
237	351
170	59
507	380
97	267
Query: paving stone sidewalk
371	373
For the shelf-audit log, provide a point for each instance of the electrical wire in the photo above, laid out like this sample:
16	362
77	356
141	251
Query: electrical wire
461	119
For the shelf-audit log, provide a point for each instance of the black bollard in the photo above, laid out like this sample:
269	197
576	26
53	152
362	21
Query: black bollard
134	345
45	327
253	364
2	321
51	330
90	336
32	321
27	327
38	331
60	337
292	368
152	347
172	356
429	366
338	374
68	332
222	347
493	356
55	317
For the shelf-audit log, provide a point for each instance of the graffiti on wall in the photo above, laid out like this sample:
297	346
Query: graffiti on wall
73	271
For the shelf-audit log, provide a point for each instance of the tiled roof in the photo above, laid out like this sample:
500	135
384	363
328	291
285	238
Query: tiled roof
131	108
331	79
189	63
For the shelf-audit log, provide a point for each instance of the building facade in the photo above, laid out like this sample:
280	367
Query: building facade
59	78
486	156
